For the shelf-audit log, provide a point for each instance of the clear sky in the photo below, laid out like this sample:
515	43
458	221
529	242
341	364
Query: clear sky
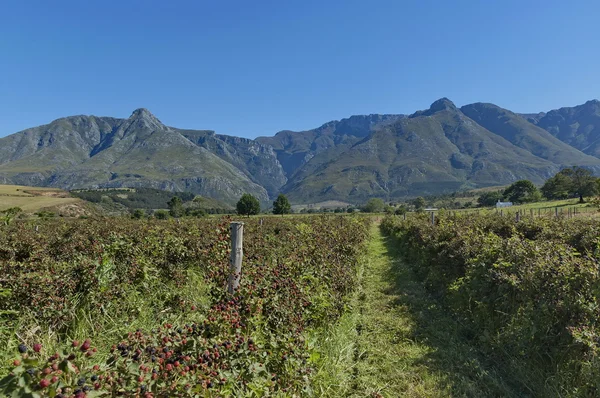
252	68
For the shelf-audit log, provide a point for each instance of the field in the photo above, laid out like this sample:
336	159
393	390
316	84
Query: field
33	199
475	305
115	306
526	293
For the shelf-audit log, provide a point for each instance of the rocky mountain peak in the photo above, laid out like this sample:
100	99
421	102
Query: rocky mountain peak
143	117
441	105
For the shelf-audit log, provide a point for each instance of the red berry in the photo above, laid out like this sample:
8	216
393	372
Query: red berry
16	362
54	379
44	383
169	367
75	343
37	347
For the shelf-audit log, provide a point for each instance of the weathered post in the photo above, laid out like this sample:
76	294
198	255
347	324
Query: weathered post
432	218
517	215
36	228
531	213
404	216
556	212
237	253
501	212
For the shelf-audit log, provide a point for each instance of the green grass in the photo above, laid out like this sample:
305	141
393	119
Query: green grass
397	341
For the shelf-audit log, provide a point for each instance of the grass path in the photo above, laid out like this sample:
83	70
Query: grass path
406	344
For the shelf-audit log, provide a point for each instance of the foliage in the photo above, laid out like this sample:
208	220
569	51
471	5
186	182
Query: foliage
138	198
401	210
419	203
176	207
161	214
281	205
581	182
138	214
487	199
248	205
522	191
107	274
8	214
528	290
373	205
557	187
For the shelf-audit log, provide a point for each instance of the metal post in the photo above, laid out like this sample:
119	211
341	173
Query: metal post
237	253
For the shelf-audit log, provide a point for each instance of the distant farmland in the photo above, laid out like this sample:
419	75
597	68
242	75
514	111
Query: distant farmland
32	199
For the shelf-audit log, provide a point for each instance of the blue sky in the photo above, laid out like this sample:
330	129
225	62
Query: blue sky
252	68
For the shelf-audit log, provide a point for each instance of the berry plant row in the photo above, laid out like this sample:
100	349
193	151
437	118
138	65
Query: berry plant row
119	307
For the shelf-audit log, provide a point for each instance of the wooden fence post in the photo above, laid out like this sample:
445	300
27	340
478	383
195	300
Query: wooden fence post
432	218
517	215
237	253
556	212
405	216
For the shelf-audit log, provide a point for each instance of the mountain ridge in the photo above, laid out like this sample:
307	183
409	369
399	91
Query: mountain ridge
391	156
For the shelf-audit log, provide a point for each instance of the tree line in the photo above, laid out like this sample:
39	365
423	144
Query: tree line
575	182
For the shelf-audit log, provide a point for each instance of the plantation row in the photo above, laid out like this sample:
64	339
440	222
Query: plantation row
528	293
124	307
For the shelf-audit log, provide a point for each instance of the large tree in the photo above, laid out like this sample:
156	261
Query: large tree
557	187
374	205
176	207
583	183
522	191
489	198
419	203
248	205
281	205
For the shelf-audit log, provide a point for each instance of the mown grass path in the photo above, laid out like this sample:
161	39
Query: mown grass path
407	345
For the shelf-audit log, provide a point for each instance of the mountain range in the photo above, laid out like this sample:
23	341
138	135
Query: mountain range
441	149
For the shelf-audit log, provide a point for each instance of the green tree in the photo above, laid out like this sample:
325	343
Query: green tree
374	205
248	205
281	205
176	207
489	198
401	210
583	183
557	187
522	191
161	214
138	214
419	203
